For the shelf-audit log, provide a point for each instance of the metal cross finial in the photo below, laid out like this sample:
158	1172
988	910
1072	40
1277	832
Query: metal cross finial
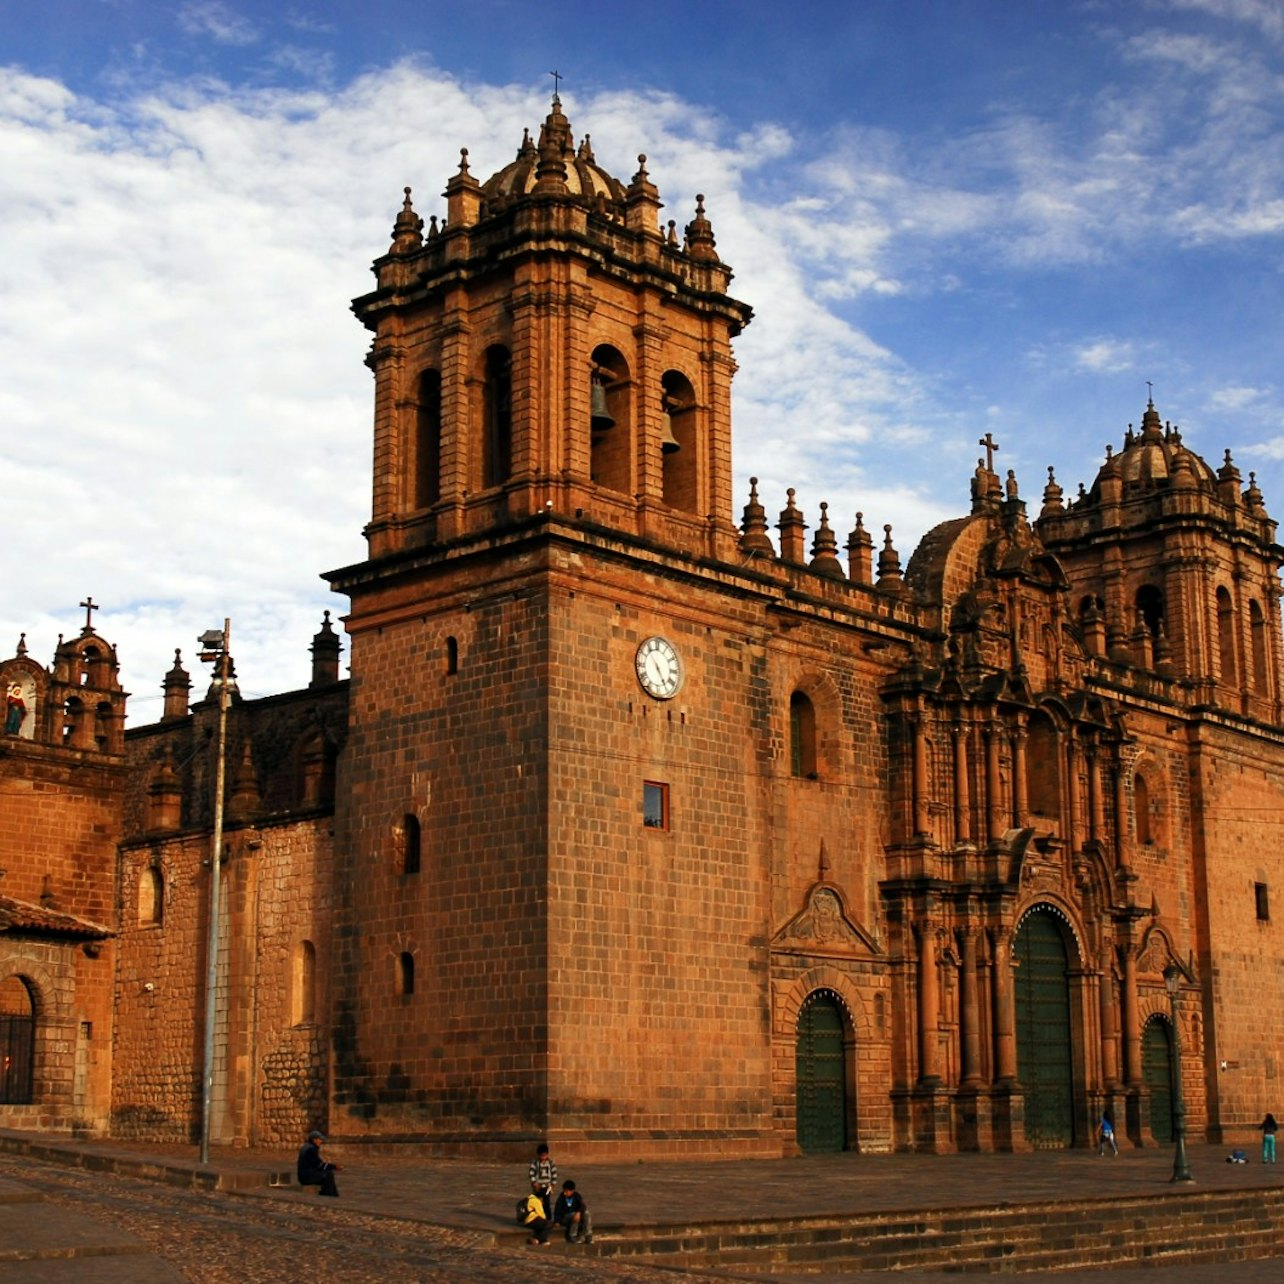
557	83
90	607
990	447
1150	392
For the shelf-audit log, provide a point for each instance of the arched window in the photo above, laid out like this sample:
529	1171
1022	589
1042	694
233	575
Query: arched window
17	1042
1043	767
802	736
405	974
151	896
610	420
678	400
1261	649
1141	811
1150	606
1226	638
410	844
303	984
428	440
497	417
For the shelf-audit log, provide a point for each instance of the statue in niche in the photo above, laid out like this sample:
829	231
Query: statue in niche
15	710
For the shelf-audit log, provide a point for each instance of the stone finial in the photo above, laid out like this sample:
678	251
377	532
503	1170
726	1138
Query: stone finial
824	548
22	644
753	529
463	195
700	242
860	553
407	231
325	654
642	202
1253	496
889	564
1052	496
176	686
791	527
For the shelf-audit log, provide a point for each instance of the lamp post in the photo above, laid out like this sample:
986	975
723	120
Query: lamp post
1181	1166
215	648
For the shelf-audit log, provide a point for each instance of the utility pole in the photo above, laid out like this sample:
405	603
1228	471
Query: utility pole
215	647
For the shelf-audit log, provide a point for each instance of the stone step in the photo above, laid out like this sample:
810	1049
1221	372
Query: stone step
1174	1227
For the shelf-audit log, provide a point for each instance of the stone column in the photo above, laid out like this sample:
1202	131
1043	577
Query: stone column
1004	1010
970	1009
922	826
1020	790
1109	1023
994	804
1096	815
928	1006
1131	1021
962	797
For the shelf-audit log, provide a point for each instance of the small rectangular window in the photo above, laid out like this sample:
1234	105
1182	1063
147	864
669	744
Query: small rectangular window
1262	896
655	805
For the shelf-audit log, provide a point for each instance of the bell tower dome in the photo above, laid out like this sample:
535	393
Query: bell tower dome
550	350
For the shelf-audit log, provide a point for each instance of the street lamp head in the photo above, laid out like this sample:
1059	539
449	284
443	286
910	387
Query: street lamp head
211	640
1172	979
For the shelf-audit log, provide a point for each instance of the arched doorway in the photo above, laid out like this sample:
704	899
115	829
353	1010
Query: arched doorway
17	1042
1157	1075
821	1073
1042	993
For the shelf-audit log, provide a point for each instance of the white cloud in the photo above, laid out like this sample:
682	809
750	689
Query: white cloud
1105	356
218	21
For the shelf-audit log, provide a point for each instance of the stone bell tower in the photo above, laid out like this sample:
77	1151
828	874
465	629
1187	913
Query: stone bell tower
550	347
552	464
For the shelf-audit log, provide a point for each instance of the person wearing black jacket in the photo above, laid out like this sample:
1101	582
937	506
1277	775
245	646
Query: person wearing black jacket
573	1214
315	1171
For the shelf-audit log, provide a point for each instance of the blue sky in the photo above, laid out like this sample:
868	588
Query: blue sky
950	218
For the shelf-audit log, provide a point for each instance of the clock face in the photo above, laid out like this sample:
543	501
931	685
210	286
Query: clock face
659	668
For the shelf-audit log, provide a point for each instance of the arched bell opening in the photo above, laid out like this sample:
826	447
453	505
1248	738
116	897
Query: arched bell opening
610	420
679	442
497	416
426	466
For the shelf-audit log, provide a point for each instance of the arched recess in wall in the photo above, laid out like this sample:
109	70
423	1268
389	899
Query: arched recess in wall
610	420
681	442
151	896
1150	607
1261	648
314	773
1141	810
1043	767
17	1041
803	759
405	982
497	416
411	844
427	455
303	984
1226	638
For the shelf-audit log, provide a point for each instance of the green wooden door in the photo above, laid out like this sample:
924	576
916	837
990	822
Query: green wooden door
821	1069
1043	1032
1157	1075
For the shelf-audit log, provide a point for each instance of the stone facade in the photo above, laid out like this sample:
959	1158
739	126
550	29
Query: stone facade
660	834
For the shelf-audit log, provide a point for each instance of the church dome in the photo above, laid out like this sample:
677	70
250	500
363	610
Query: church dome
1154	456
554	166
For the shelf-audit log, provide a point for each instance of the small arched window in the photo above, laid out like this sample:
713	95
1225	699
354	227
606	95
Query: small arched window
151	896
1261	648
452	655
405	974
410	844
1142	820
497	417
428	440
802	736
1226	638
303	984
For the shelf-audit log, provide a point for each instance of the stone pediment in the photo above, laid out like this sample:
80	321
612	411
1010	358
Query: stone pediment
823	926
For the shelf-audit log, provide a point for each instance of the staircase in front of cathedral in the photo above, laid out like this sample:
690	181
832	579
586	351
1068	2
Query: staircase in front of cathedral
1167	1228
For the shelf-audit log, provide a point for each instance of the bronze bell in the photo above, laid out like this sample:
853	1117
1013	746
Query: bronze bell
600	417
668	442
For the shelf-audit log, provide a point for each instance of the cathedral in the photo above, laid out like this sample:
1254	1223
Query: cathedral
644	821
